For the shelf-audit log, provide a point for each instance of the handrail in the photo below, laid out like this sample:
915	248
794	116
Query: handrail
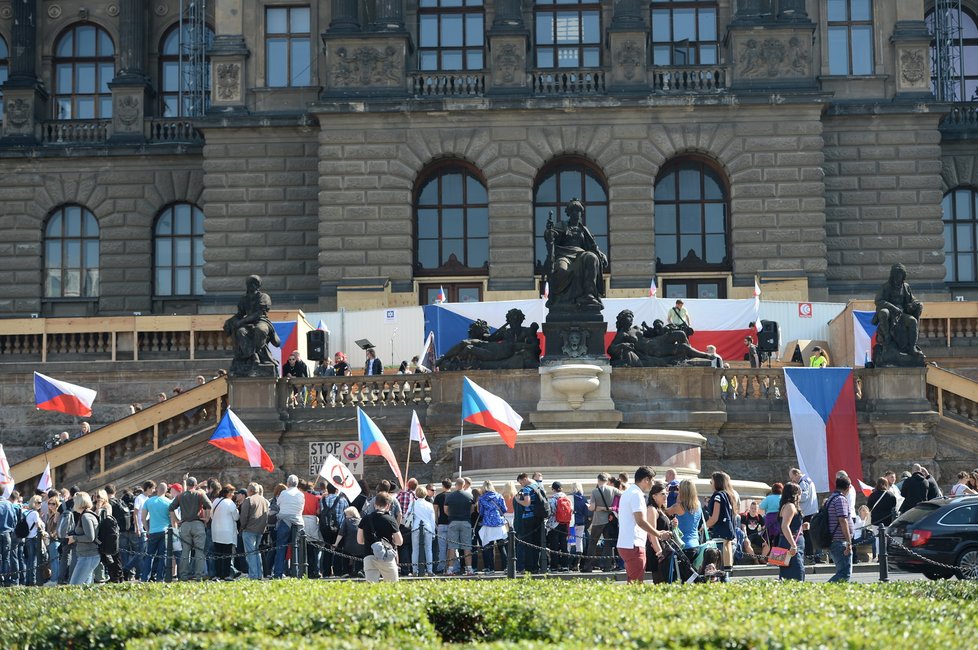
96	441
952	394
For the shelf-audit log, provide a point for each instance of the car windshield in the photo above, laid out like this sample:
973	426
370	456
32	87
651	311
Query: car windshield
916	513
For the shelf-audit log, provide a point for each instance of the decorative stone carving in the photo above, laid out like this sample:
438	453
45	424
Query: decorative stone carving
913	67
366	66
228	81
128	109
54	12
574	342
630	57
651	347
18	112
112	10
162	9
508	63
774	57
6	12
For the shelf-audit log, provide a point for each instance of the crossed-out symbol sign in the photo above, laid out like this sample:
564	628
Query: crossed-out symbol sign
339	472
351	451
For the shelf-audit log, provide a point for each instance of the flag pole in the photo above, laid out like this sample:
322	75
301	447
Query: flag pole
461	438
407	463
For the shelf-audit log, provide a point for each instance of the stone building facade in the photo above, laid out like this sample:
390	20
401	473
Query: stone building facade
367	154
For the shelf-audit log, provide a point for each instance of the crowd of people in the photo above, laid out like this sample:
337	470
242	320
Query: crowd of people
186	530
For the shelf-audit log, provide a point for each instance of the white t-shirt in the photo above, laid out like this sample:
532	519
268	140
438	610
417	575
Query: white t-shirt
958	489
138	507
630	534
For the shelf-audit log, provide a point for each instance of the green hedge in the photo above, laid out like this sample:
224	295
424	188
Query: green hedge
534	614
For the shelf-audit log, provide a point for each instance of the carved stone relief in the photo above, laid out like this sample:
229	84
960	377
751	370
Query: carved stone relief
18	113
630	57
913	67
54	12
6	12
128	109
228	82
774	57
508	64
366	66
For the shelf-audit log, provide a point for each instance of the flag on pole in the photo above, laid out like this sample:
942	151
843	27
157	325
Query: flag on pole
440	298
336	473
866	489
322	326
45	483
481	407
375	444
757	305
6	478
235	438
417	435
428	358
822	407
55	395
653	289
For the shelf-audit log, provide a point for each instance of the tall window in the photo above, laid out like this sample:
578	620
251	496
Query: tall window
451	211
850	24
84	64
179	251
4	62
954	54
568	34
288	46
451	34
960	225
71	255
557	184
178	78
684	32
690	218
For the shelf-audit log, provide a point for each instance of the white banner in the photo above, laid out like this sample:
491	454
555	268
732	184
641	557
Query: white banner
348	451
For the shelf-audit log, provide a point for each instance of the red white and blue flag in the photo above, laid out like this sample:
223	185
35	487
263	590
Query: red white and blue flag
288	335
440	298
235	438
863	337
822	406
481	407
375	444
653	289
56	395
6	478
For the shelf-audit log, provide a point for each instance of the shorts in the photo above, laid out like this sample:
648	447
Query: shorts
460	535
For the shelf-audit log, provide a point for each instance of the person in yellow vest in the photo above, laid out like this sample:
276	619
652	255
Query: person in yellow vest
819	359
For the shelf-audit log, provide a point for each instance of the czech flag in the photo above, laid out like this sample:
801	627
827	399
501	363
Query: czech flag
863	337
822	406
55	395
440	298
481	407
288	335
375	444
235	438
653	289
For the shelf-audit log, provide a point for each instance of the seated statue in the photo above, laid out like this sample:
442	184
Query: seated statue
897	319
574	264
252	331
512	346
651	347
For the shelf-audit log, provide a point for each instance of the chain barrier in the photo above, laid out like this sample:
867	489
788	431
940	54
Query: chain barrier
948	567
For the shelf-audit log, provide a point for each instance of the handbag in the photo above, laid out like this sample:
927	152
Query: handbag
408	521
779	556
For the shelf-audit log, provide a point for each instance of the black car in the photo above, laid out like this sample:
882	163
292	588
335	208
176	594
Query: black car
943	530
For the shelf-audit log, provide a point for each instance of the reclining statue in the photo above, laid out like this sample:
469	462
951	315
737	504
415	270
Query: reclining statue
651	347
512	346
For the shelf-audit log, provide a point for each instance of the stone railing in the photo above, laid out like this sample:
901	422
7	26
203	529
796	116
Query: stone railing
688	79
75	131
120	338
568	82
172	130
762	384
952	395
448	84
962	116
347	392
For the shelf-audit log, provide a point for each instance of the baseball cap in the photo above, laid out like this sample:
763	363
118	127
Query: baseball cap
176	487
241	491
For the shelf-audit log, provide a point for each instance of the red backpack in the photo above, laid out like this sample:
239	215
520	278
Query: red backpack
565	510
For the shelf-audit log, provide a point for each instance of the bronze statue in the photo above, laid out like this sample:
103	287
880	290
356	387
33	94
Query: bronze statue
897	319
252	332
651	347
575	264
512	346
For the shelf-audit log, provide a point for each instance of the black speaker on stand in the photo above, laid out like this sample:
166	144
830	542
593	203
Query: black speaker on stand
769	339
315	345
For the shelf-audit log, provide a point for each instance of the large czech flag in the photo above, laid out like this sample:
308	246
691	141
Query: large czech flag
481	407
288	335
863	337
822	406
235	438
375	443
55	395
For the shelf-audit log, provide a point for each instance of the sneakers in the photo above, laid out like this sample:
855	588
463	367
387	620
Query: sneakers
469	571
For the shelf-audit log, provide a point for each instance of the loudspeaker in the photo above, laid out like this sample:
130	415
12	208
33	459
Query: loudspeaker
769	338
315	345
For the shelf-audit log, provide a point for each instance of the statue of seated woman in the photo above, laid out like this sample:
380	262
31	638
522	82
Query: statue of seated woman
575	264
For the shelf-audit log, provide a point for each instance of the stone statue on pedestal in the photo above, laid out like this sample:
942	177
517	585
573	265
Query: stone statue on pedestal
897	319
512	346
252	332
651	347
575	264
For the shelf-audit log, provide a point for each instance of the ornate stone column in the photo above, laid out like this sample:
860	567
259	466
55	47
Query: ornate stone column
344	16
24	98
388	16
628	13
130	88
509	16
229	56
628	40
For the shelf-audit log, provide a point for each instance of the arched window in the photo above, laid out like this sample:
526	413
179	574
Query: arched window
684	32
178	251
691	217
450	35
179	78
71	255
84	64
556	185
451	215
568	33
4	63
954	54
960	225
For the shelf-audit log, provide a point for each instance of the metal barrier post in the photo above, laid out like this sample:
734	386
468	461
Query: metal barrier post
303	554
511	554
168	560
884	568
544	554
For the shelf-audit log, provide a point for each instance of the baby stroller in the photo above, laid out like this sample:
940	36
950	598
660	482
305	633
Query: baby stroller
694	565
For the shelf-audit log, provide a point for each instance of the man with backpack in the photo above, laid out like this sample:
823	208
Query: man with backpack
8	520
602	524
331	519
536	511
122	512
840	526
558	526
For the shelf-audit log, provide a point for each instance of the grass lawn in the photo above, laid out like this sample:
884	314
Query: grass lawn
499	614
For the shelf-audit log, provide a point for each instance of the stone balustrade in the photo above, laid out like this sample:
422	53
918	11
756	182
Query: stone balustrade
448	84
952	395
66	132
961	117
568	82
689	79
172	130
348	392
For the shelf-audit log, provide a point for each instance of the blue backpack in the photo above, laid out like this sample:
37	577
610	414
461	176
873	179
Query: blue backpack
580	510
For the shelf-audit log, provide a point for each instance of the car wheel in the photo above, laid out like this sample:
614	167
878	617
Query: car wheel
968	563
936	575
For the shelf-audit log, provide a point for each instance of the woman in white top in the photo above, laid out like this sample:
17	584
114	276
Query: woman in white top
421	514
224	531
35	537
961	488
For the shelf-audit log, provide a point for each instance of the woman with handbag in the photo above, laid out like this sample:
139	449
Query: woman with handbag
723	503
657	554
790	545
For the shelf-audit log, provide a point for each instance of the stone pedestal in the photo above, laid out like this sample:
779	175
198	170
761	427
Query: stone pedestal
576	395
629	55
772	56
574	341
228	56
372	63
911	43
23	107
129	99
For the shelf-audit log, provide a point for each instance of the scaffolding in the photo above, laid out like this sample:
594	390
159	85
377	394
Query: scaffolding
193	67
948	50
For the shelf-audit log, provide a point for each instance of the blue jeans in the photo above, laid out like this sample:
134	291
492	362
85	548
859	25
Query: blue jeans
420	546
843	562
155	560
131	547
253	556
32	548
54	557
17	563
283	538
5	559
84	568
442	547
